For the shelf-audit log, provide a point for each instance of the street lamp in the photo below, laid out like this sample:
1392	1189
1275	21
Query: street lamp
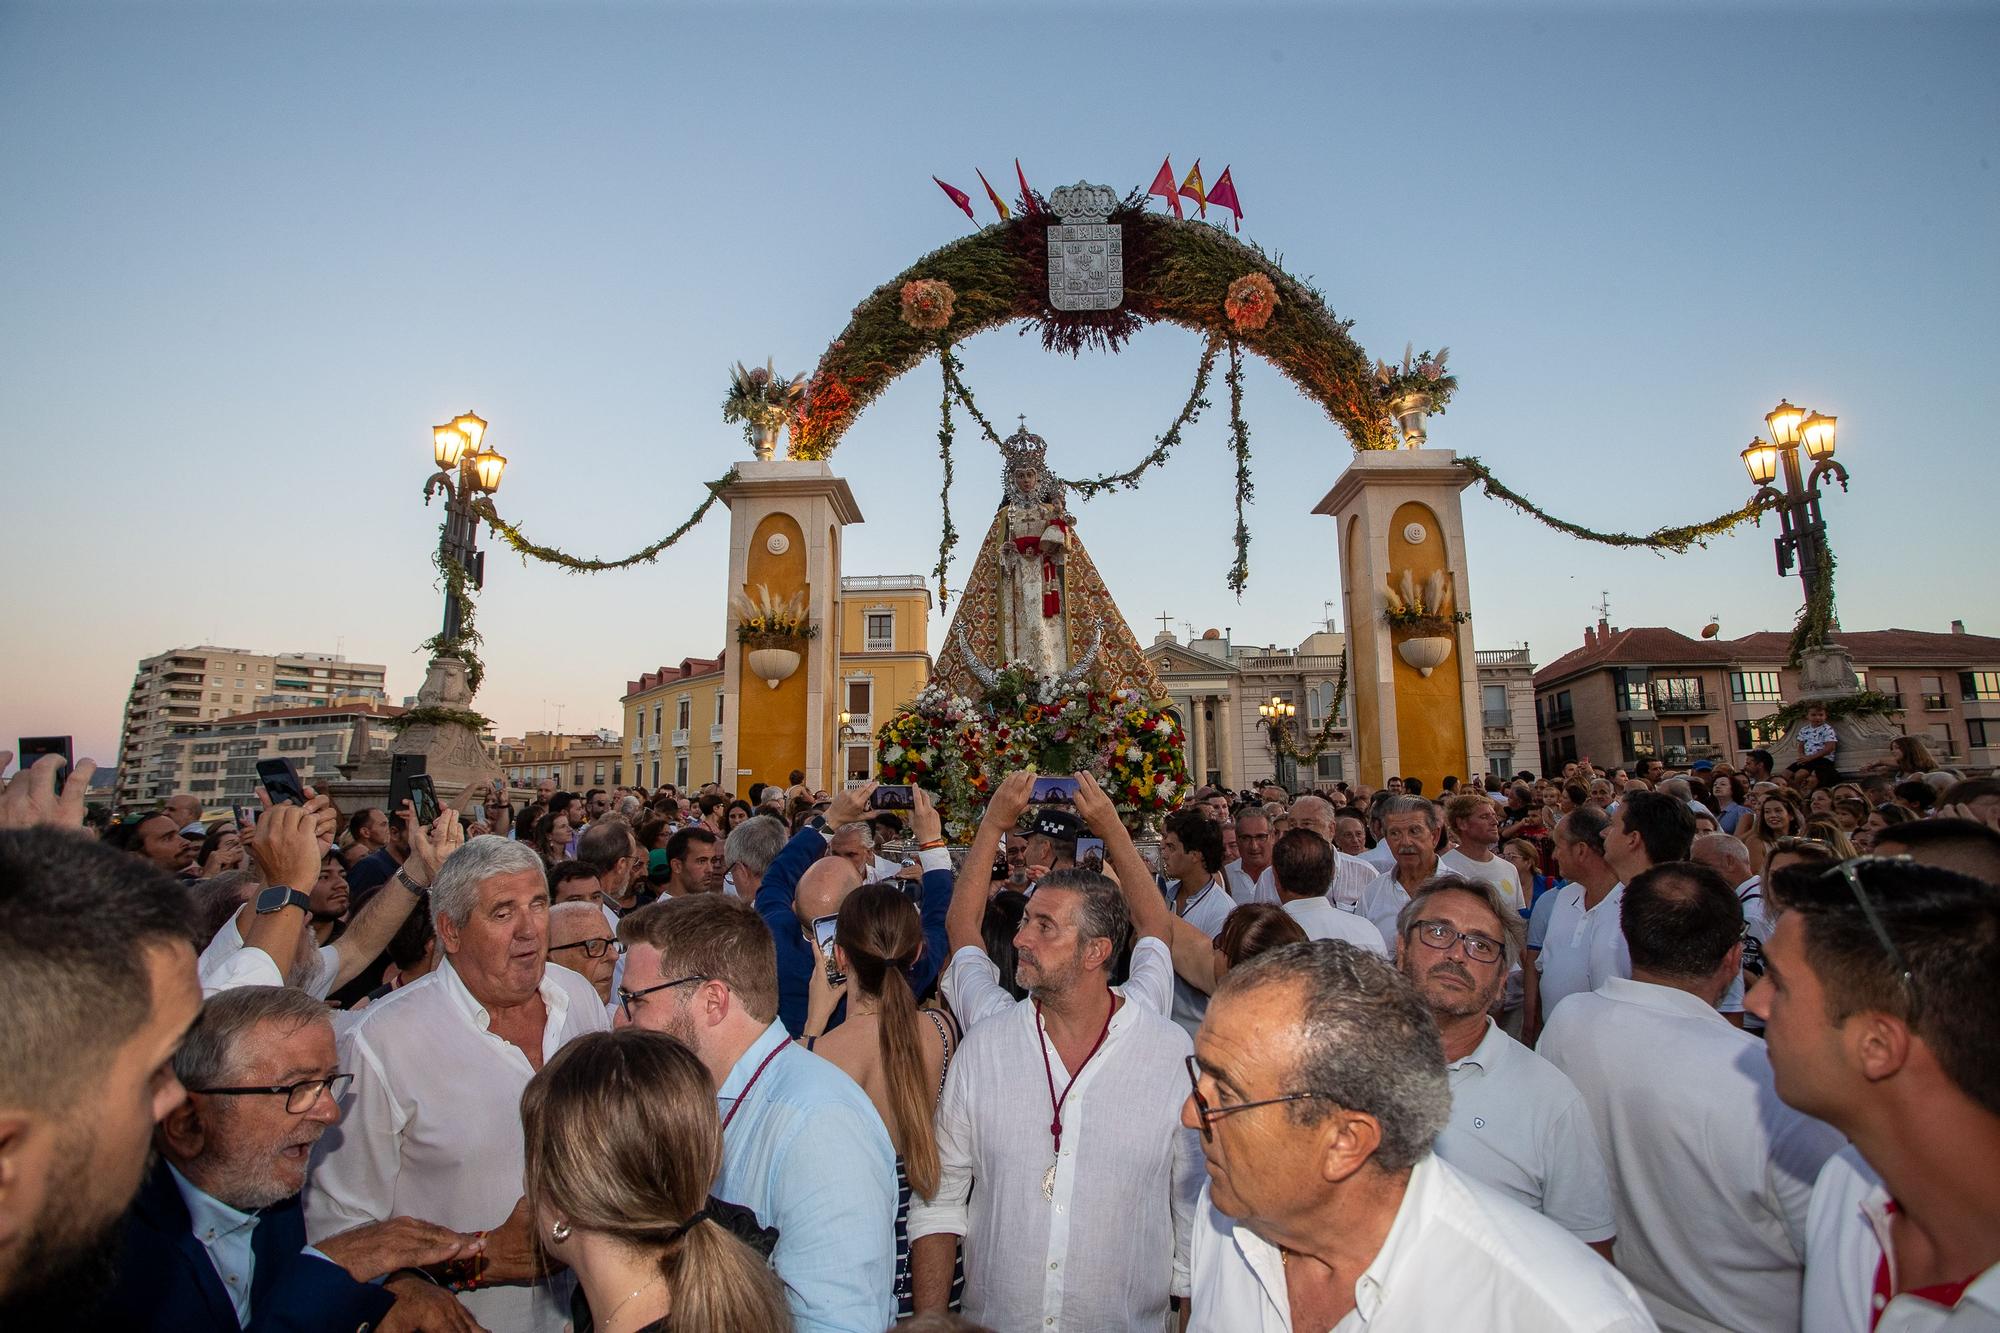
1278	715
1802	533
467	467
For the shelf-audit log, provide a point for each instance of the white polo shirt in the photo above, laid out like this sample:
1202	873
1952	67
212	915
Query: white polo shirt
1847	1235
1321	920
1382	902
1582	947
1497	871
1519	1126
1351	878
1711	1174
1379	856
1243	886
1457	1256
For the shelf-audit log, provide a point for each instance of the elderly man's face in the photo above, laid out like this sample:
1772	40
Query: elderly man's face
1413	840
501	948
575	936
1454	983
1350	836
160	842
329	892
854	849
1253	840
1314	814
823	888
1229	846
184	810
253	1151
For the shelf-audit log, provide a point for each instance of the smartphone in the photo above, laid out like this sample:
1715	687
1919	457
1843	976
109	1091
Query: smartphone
1090	854
403	767
246	817
1053	791
423	798
892	796
281	781
823	939
31	748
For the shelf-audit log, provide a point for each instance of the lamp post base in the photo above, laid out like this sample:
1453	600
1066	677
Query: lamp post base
1827	675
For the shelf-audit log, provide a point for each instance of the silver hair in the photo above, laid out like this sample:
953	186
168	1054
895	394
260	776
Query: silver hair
563	910
1407	805
456	890
1678	788
864	832
631	807
1725	847
1513	930
1362	1039
210	1056
754	844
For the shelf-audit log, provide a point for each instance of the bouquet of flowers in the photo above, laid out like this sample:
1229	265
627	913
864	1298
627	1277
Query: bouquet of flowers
927	303
768	621
1250	301
761	398
1424	613
1420	379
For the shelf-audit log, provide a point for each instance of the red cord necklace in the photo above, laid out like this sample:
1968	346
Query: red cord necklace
1055	1102
735	1105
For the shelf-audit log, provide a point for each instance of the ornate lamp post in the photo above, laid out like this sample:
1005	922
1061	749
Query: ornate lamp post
1277	716
467	467
1802	532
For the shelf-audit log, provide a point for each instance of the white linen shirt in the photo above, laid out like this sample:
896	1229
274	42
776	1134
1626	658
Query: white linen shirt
971	985
1351	878
431	1125
1519	1126
227	962
1496	870
1246	888
1206	911
1321	920
1458	1256
1382	902
1380	856
1582	948
1711	1174
1847	1233
1106	1253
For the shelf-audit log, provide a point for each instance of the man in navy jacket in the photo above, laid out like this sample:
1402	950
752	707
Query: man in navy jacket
789	899
216	1239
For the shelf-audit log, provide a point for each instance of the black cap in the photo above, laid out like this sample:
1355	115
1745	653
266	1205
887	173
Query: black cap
1054	822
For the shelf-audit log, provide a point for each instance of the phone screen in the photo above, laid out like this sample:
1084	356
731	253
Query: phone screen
423	798
281	781
31	748
892	796
823	928
1090	854
246	817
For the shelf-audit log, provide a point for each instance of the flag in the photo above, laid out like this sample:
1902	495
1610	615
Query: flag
1191	187
1163	184
998	207
958	196
1027	195
1223	195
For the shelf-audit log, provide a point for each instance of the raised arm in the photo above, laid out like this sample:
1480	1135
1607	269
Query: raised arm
974	884
378	921
286	848
1142	896
937	882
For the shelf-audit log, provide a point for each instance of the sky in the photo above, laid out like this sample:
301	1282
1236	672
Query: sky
251	253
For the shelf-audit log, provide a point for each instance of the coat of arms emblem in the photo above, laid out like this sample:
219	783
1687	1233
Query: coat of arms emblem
1086	250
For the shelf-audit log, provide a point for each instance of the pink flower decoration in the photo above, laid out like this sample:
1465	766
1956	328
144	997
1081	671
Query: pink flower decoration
927	303
1250	302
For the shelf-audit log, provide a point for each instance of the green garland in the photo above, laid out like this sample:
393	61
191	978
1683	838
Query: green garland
1239	444
1323	741
948	535
1675	539
1815	622
527	549
1862	703
439	717
454	582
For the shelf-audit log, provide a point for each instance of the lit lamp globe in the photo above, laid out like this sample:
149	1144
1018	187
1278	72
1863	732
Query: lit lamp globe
1784	421
472	427
448	445
1760	460
486	469
1817	434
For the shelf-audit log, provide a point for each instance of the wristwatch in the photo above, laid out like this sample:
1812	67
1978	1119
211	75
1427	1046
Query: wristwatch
818	825
278	897
403	878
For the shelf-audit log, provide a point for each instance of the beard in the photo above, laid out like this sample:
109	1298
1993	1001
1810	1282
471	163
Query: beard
1457	1003
70	1258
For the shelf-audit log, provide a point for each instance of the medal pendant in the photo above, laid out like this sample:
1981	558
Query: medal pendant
1049	1183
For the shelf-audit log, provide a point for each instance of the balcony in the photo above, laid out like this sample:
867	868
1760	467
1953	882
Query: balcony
1561	717
1500	657
680	739
1493	732
653	743
715	734
1679	703
1304	662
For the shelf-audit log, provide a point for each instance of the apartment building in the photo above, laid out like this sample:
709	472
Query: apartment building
1648	692
216	760
207	683
577	762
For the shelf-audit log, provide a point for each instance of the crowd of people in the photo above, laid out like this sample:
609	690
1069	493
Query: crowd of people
1704	1050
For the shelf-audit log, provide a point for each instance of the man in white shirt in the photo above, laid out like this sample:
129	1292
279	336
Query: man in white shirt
1302	865
1710	1173
1729	858
1474	821
1517	1124
1583	944
1191	860
1410	832
1319	1088
432	1124
1253	847
1879	1006
1381	856
1080	1220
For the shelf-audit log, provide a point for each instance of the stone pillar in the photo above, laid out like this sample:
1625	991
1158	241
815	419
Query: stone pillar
1398	510
785	519
1225	708
1198	732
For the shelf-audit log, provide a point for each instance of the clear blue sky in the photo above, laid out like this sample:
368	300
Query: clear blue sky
250	253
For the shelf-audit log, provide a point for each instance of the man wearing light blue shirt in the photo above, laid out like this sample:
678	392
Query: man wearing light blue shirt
802	1146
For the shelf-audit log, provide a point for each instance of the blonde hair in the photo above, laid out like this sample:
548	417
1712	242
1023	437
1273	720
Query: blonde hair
623	1139
882	933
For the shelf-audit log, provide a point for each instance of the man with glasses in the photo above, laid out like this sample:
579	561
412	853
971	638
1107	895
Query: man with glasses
1710	1174
1879	1004
802	1146
216	1239
1517	1124
1253	855
1319	1086
581	940
432	1123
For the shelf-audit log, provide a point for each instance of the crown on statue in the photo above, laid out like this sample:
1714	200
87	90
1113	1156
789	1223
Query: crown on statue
1024	450
1083	202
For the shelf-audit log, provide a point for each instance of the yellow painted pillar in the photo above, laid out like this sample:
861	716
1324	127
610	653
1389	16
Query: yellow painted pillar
1399	510
785	518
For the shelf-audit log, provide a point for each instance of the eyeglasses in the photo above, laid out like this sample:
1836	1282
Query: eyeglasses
1850	870
626	998
1441	935
299	1097
596	948
1208	1115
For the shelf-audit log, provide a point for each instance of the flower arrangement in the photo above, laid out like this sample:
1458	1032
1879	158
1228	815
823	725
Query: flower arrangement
1420	379
762	399
1250	301
768	621
927	303
1424	613
960	748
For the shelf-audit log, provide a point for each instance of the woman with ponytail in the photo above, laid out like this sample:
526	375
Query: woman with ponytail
623	1145
896	1051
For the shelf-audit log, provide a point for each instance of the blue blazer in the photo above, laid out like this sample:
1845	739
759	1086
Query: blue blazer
166	1282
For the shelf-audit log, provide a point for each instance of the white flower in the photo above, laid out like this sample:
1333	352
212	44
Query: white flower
1166	787
1132	755
893	754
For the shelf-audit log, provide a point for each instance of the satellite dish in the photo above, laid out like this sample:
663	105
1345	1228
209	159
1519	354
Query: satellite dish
1711	629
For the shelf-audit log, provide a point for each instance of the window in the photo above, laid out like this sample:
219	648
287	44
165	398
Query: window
1331	768
1932	688
681	772
1981	732
682	707
656	729
1500	765
656	774
639	722
1754	735
1562	716
597	774
296	743
1679	694
1979	684
1674	738
1630	689
1888	686
236	698
1635	739
1494	711
719	696
858	760
717	776
880	631
1697	735
1939	736
860	698
1754	686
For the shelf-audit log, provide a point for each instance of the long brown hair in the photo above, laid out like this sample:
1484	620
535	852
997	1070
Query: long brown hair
623	1139
882	934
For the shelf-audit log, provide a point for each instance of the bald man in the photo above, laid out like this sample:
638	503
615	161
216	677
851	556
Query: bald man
1351	874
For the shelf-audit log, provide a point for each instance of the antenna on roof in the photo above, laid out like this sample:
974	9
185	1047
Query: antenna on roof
1603	608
